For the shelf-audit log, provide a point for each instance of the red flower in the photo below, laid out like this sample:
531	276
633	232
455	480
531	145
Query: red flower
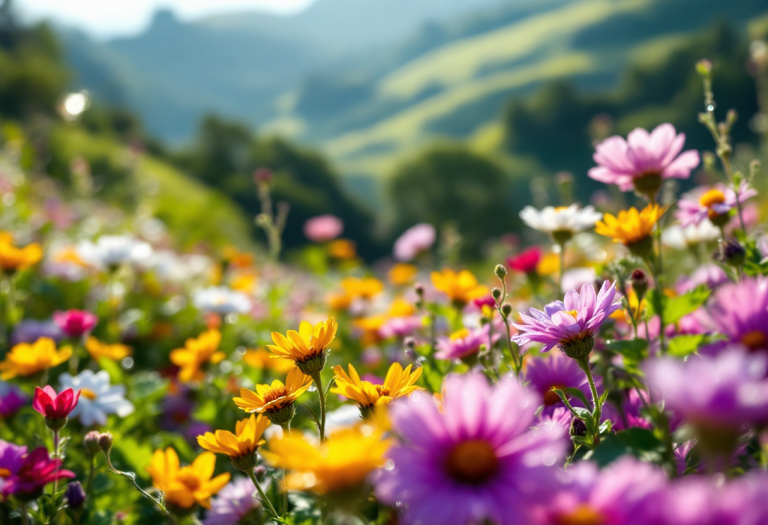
75	323
526	261
35	473
54	406
485	300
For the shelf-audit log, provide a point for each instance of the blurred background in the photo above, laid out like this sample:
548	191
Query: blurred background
385	113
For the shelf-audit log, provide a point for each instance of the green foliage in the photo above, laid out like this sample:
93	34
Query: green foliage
450	185
675	308
637	442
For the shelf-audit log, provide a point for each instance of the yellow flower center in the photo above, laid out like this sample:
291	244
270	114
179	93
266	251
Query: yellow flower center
711	198
754	340
460	334
551	398
275	393
189	479
574	313
4	473
583	515
87	393
472	462
561	208
382	390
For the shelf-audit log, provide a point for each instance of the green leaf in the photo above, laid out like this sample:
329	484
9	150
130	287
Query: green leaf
684	345
754	263
633	350
605	427
637	442
578	394
675	308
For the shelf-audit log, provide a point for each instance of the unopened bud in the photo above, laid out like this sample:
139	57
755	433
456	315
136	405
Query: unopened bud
496	294
578	427
731	253
500	271
259	471
91	443
506	309
262	175
419	289
731	117
409	342
704	67
75	495
639	282
709	160
105	441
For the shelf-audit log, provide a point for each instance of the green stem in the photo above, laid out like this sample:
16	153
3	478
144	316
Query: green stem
132	477
56	455
91	471
597	409
562	267
24	516
318	379
264	499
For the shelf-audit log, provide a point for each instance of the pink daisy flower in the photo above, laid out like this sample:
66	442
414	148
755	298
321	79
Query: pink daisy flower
711	203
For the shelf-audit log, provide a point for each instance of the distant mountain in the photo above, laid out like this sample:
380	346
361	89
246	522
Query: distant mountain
370	80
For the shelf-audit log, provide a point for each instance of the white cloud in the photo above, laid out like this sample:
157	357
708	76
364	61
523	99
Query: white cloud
108	18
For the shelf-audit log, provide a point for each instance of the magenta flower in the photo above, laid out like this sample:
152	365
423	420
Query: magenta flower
413	241
55	406
75	323
711	203
525	261
740	312
624	493
11	461
323	228
643	160
722	392
630	415
570	324
556	370
400	326
27	480
464	343
11	399
475	460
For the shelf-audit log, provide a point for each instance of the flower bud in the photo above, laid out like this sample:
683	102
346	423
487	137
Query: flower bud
419	289
704	67
75	495
91	443
639	282
409	342
262	175
730	252
496	294
259	471
105	441
506	309
578	427
500	271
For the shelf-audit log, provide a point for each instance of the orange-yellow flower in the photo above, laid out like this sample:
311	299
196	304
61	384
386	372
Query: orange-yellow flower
339	301
275	400
26	359
340	464
307	347
460	287
402	274
97	350
242	444
401	308
196	353
262	360
398	383
630	226
185	486
366	288
341	249
12	258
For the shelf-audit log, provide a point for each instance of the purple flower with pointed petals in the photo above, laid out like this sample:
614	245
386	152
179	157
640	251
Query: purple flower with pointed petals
475	460
556	370
11	461
464	343
564	323
623	493
11	399
234	502
711	203
643	156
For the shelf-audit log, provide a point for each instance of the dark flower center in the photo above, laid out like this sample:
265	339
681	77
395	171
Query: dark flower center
382	390
754	340
581	515
275	393
550	397
472	462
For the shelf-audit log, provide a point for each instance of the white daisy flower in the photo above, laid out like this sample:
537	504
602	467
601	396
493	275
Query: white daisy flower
563	222
98	398
680	237
113	250
221	300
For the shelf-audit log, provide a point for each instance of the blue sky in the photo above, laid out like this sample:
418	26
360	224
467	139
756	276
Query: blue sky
108	18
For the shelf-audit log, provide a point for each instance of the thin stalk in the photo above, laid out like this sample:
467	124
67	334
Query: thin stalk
91	471
597	409
24	516
318	379
264	499
132	477
562	267
56	455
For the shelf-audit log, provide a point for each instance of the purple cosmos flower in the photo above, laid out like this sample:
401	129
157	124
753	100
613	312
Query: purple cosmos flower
11	461
464	343
323	228
11	399
400	326
558	371
643	159
716	394
414	241
30	330
740	312
623	493
475	460
711	203
234	503
569	324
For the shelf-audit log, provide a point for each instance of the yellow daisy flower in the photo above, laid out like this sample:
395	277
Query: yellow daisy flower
631	227
240	446
460	287
366	288
12	258
401	308
97	349
185	486
26	359
260	359
398	383
275	400
339	465
196	353
307	347
341	249
402	274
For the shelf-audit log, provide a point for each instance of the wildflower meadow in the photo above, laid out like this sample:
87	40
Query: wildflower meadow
615	373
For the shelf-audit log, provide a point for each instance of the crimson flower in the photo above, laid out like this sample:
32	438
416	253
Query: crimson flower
526	261
75	323
35	473
54	406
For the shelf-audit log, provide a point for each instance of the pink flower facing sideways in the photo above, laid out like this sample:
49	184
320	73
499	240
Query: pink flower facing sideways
714	204
571	324
323	228
414	241
75	323
477	459
644	160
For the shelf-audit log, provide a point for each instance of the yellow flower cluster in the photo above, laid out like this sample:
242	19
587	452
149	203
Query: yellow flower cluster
196	353
26	359
185	486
